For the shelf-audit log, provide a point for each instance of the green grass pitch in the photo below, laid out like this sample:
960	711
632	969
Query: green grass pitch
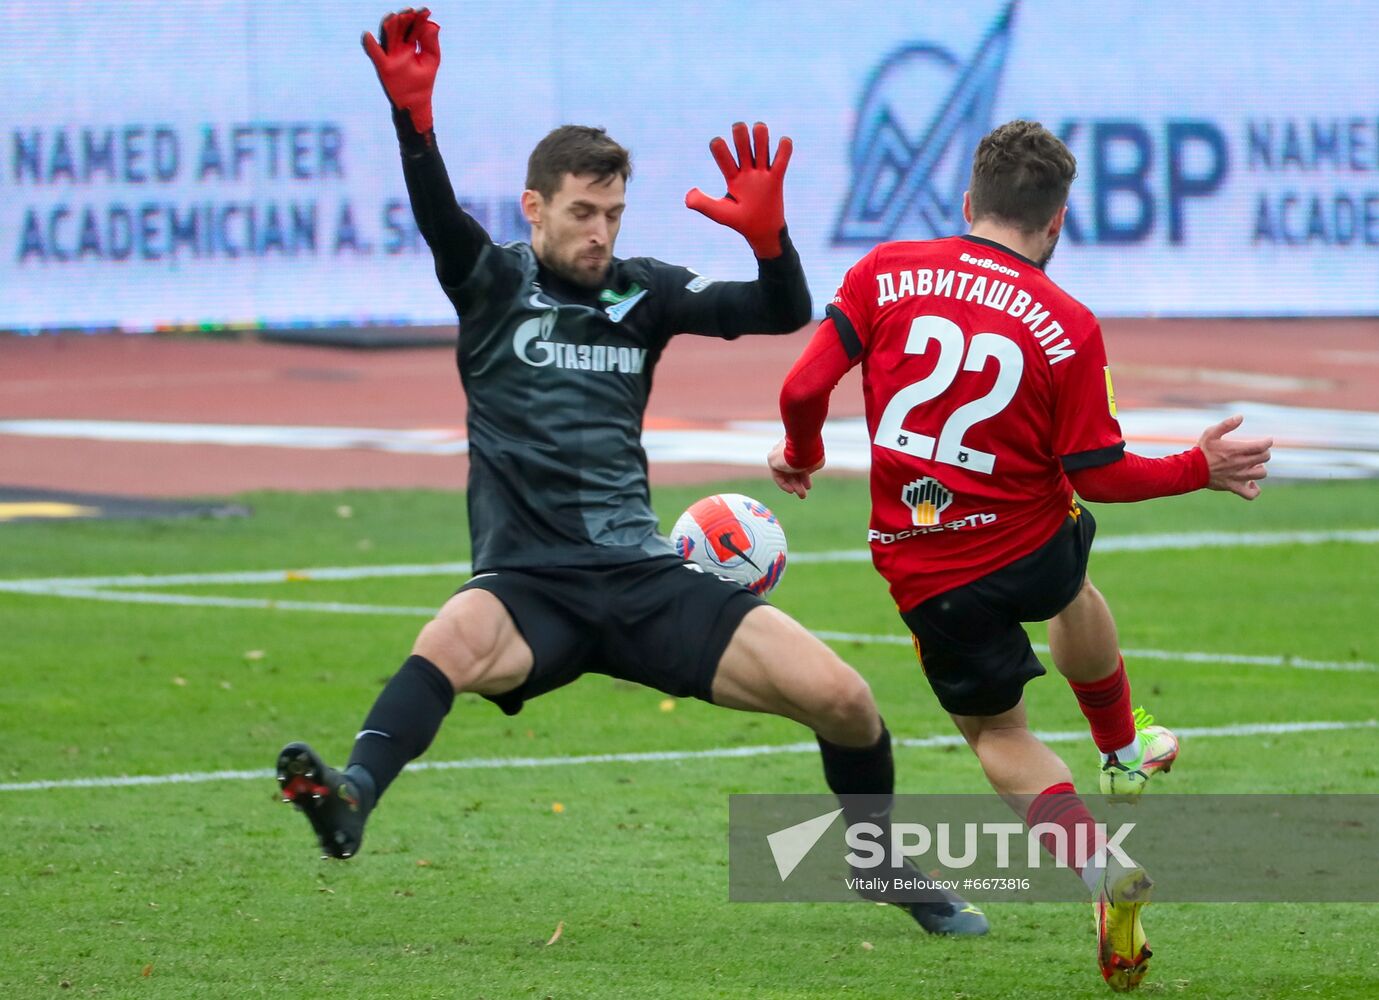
214	889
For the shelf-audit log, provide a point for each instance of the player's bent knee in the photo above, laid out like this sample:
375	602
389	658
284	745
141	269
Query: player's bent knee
450	649
465	639
774	665
846	713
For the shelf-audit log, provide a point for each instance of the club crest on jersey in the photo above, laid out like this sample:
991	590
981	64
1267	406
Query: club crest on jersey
927	499
618	310
919	120
613	298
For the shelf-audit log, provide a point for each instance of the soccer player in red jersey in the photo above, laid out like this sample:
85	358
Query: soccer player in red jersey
989	405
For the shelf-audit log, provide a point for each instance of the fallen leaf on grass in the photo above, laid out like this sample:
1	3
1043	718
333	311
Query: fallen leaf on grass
147	970
559	930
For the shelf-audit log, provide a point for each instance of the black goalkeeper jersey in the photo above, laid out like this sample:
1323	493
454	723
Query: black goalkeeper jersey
558	376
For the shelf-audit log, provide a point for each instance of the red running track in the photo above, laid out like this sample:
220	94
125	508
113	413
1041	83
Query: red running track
700	382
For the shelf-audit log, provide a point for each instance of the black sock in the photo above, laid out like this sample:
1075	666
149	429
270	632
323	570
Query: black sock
863	778
400	726
862	771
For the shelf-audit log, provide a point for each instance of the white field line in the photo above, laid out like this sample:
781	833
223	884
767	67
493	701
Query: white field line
1230	539
1113	543
252	576
213	601
869	639
661	756
1182	656
92	588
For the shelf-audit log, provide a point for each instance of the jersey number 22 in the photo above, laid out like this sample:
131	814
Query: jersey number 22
953	353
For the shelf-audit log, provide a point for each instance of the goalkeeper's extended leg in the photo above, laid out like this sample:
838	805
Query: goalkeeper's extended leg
471	645
330	800
400	726
869	771
773	664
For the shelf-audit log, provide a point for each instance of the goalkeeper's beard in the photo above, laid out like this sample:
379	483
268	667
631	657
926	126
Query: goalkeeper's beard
584	269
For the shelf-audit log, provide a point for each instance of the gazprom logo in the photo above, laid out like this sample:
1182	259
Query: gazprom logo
531	341
921	116
532	344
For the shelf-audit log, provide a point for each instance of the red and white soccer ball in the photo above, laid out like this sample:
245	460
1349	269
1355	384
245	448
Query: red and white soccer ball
733	536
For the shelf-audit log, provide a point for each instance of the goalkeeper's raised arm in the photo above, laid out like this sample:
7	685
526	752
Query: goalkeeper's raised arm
754	206
407	55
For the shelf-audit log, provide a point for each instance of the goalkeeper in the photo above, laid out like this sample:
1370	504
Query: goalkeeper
557	346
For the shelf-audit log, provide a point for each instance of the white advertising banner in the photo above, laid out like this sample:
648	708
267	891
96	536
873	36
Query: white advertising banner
218	163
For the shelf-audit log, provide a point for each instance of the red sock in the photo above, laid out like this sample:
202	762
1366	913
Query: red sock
1106	704
1059	805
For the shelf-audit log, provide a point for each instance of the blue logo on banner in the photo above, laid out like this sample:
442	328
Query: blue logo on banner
908	176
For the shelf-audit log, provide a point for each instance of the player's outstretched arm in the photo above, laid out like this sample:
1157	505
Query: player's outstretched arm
1234	464
755	203
407	55
804	400
1217	462
778	301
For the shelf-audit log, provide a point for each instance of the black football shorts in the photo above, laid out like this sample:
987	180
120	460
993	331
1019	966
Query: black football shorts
970	640
660	622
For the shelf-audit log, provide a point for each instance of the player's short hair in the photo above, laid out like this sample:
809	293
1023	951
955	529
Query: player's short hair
1021	173
579	150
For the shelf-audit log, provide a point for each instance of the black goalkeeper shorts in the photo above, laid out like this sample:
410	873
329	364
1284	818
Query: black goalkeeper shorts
660	622
971	641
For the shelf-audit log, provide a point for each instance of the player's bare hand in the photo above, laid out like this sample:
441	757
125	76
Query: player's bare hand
1234	464
789	478
755	202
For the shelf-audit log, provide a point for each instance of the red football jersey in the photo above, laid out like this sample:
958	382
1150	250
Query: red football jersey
983	382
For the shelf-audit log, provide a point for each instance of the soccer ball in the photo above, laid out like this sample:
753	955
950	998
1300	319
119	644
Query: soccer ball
734	537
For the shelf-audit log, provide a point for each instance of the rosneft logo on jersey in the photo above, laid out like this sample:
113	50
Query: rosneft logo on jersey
927	499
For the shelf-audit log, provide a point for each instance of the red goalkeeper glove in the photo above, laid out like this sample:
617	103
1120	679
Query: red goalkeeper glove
755	203
407	54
